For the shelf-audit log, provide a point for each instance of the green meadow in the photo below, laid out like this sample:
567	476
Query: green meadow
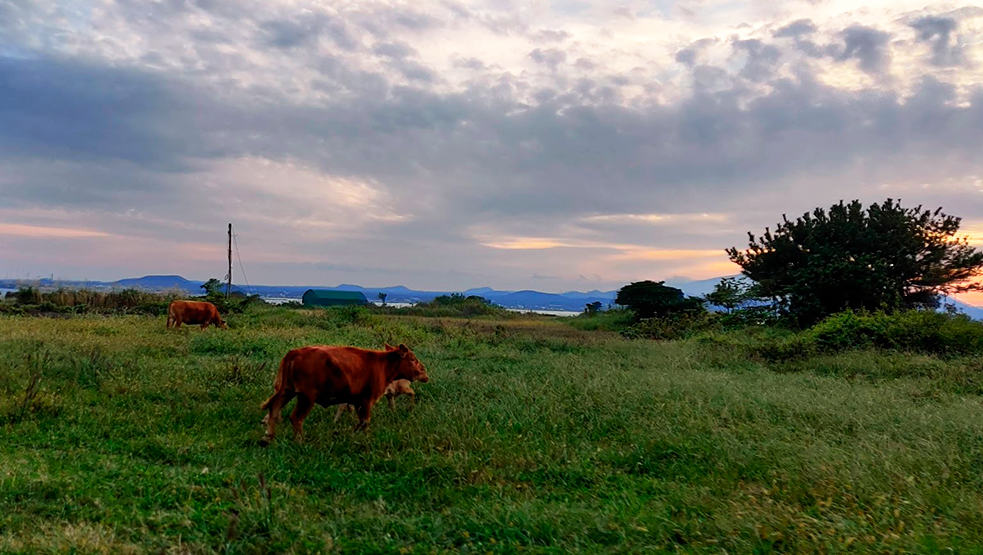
533	434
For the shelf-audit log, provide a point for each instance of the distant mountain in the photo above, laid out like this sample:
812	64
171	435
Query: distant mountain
480	291
974	312
697	288
591	294
160	283
345	287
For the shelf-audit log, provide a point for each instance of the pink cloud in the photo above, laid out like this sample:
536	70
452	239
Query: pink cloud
22	230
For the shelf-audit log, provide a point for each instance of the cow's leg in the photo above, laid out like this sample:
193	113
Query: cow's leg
169	321
273	415
342	409
364	410
301	410
204	325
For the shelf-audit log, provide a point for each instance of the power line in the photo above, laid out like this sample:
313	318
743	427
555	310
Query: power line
242	270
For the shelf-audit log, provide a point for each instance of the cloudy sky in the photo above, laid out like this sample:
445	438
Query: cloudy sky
561	145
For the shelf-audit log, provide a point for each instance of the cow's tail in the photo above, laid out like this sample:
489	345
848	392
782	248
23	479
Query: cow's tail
278	385
171	318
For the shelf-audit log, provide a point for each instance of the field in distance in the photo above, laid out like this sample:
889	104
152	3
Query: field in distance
119	435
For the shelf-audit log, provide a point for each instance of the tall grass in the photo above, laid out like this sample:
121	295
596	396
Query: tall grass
29	299
531	435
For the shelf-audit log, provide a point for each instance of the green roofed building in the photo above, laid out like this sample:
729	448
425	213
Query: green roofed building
326	297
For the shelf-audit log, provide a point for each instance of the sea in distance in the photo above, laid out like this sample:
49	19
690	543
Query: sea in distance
565	313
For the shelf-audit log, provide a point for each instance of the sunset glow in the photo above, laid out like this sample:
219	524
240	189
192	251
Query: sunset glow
22	230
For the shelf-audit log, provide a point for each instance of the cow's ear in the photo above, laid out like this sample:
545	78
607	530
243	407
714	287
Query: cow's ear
389	347
403	349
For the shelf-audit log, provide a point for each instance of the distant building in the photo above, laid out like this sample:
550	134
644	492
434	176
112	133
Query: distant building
325	297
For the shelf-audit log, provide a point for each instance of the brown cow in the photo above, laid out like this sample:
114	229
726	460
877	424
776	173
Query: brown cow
393	390
328	375
193	312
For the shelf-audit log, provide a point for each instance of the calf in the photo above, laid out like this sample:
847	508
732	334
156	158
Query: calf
393	390
193	312
329	375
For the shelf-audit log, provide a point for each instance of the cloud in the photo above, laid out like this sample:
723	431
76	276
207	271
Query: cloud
550	35
74	110
397	50
796	29
42	231
939	32
469	63
550	57
658	219
305	29
761	59
689	56
619	251
439	142
868	46
686	56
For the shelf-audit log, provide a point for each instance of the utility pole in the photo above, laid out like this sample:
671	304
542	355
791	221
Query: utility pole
228	285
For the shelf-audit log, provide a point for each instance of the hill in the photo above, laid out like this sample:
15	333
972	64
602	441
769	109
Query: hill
160	283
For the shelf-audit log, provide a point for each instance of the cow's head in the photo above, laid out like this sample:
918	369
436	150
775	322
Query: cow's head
221	323
410	367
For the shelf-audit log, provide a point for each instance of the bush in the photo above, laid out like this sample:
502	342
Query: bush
911	330
617	319
352	315
28	295
761	315
453	305
779	349
672	326
80	301
919	331
233	304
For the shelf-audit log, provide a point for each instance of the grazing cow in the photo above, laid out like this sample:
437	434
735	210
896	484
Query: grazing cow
193	312
393	390
329	375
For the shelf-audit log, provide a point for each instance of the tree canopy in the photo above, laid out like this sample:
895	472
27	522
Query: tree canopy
213	287
885	257
731	293
648	299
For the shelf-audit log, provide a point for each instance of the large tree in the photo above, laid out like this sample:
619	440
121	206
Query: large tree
884	257
648	299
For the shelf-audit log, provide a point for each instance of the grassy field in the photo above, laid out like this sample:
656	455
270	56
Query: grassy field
119	435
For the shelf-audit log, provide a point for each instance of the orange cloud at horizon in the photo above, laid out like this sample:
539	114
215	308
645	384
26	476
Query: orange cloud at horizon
668	254
974	235
710	270
529	243
659	218
974	298
23	230
624	251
